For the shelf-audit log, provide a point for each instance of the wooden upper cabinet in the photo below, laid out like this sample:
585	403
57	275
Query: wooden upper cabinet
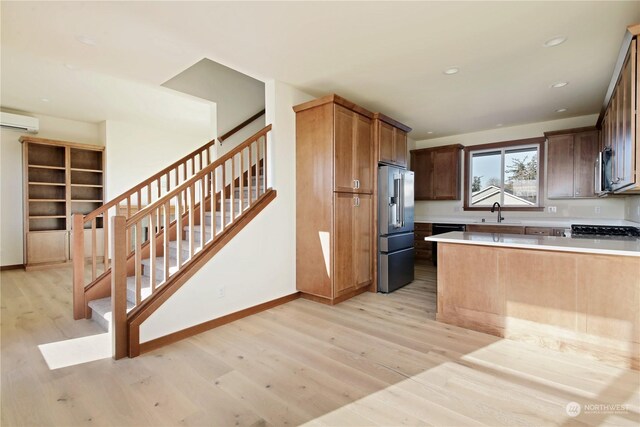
353	165
344	177
585	152
619	121
571	157
560	166
437	172
386	152
363	154
391	140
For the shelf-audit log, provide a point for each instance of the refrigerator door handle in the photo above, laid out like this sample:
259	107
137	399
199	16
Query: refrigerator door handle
402	200
397	184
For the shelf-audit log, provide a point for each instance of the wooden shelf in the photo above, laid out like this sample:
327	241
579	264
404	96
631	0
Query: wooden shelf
86	170
52	184
61	177
61	168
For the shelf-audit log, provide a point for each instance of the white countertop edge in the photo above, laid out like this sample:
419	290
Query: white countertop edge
524	222
544	243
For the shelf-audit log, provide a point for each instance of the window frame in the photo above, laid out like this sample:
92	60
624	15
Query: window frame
504	146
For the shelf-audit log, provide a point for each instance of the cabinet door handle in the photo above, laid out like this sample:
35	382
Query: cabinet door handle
355	184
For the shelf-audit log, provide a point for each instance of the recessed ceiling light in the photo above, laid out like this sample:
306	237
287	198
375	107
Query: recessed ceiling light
44	99
430	132
499	125
86	40
555	41
561	110
451	70
557	85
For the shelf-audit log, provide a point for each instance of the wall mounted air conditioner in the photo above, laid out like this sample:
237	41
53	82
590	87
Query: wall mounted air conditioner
19	123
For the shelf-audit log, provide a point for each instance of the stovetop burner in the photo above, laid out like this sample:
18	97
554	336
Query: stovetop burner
585	230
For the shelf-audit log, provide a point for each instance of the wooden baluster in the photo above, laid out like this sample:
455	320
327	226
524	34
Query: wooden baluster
241	181
128	232
249	175
119	287
200	161
257	169
159	187
193	166
175	176
212	200
184	170
167	213
168	186
149	194
191	220
202	209
264	167
139	201
138	261
233	188
153	223
223	198
179	230
105	239
94	253
79	303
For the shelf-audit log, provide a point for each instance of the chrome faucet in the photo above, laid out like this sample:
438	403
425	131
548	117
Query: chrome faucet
493	209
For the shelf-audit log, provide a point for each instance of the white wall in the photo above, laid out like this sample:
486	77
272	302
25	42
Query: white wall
611	207
135	152
11	201
632	208
258	264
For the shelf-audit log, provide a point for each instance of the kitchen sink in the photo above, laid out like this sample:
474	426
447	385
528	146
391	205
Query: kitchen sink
494	222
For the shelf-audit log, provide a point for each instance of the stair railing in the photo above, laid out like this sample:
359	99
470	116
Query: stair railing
213	198
126	204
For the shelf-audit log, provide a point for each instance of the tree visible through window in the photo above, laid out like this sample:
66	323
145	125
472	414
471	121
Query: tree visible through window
507	175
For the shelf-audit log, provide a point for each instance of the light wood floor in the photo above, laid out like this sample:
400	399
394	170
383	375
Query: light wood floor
373	360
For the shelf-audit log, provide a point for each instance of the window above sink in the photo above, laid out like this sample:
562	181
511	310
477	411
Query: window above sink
510	173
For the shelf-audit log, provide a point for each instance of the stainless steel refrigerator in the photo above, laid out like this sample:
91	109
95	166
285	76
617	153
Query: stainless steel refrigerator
395	225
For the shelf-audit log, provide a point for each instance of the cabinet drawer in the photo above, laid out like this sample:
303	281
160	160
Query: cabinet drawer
421	244
422	254
420	235
539	231
505	229
422	226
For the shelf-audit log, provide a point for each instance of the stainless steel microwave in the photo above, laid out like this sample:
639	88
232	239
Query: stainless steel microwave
604	171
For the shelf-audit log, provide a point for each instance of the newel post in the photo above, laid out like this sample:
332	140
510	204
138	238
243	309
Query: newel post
119	287
79	304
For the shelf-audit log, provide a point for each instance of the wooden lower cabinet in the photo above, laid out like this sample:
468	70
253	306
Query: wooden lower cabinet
562	300
47	247
353	242
423	249
490	228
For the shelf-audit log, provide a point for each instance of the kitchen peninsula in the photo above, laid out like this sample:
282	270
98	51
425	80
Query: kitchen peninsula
577	295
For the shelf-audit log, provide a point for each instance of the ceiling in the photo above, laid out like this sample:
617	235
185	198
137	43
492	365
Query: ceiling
387	56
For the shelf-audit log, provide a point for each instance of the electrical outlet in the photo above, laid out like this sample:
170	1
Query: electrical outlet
597	209
220	291
551	209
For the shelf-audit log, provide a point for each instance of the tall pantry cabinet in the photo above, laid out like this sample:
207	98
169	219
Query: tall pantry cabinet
334	199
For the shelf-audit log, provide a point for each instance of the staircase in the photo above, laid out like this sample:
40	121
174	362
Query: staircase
101	308
161	232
